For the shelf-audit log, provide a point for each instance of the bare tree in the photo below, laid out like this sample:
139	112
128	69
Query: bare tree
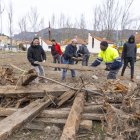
82	25
53	20
33	16
41	24
76	23
126	19
10	18
106	17
111	15
1	12
82	22
68	26
62	21
23	24
110	12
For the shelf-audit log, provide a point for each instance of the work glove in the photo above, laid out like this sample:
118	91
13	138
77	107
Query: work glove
44	61
36	62
107	69
74	58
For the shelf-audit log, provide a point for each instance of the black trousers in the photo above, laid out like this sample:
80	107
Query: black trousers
132	62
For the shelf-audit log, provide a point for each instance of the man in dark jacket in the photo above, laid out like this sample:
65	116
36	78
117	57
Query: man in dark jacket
129	55
68	57
35	55
56	53
84	53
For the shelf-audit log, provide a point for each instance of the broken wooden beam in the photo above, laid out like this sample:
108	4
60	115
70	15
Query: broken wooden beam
30	93
21	117
74	118
89	114
93	92
28	77
67	95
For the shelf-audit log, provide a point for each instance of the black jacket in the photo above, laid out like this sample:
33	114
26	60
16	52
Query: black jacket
53	50
83	50
36	53
129	48
70	51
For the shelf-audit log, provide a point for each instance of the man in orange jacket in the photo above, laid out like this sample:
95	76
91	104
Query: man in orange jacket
56	53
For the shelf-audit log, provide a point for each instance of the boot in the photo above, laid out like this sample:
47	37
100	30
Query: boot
132	80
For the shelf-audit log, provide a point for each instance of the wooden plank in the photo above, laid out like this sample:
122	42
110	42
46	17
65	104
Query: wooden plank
84	124
30	93
87	109
21	117
70	67
58	113
74	118
67	95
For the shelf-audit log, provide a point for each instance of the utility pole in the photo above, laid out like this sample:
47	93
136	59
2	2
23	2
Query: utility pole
49	29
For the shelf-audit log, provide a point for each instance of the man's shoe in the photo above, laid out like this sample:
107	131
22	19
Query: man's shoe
132	80
63	78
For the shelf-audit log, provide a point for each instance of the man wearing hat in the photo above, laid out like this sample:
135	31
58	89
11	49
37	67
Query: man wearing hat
68	57
111	58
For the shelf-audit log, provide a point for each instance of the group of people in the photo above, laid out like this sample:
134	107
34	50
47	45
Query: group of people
108	55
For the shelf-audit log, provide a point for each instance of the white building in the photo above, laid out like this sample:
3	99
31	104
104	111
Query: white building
46	44
94	43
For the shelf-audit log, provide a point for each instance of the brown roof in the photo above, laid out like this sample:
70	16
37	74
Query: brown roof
103	39
48	42
79	41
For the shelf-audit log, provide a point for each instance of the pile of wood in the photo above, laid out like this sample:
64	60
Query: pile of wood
116	107
7	76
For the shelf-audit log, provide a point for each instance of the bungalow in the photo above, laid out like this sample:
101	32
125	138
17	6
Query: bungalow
94	43
46	44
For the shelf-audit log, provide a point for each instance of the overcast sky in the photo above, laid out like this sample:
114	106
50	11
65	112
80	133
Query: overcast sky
71	8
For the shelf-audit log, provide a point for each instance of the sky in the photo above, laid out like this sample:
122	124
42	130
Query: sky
71	8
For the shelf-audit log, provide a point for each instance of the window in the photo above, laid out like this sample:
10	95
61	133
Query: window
92	42
49	47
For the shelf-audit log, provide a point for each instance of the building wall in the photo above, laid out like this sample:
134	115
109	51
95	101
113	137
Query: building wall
94	47
45	46
94	44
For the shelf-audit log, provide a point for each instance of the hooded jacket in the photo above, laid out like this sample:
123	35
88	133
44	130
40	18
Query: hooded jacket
36	53
83	50
129	48
70	51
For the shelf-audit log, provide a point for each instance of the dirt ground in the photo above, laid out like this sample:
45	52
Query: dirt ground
54	132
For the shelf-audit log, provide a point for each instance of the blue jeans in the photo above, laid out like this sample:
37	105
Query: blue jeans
71	62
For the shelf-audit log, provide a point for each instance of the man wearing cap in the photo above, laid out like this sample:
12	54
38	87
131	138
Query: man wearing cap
111	58
68	57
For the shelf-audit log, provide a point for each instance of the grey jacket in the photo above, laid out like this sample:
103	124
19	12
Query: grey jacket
83	50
